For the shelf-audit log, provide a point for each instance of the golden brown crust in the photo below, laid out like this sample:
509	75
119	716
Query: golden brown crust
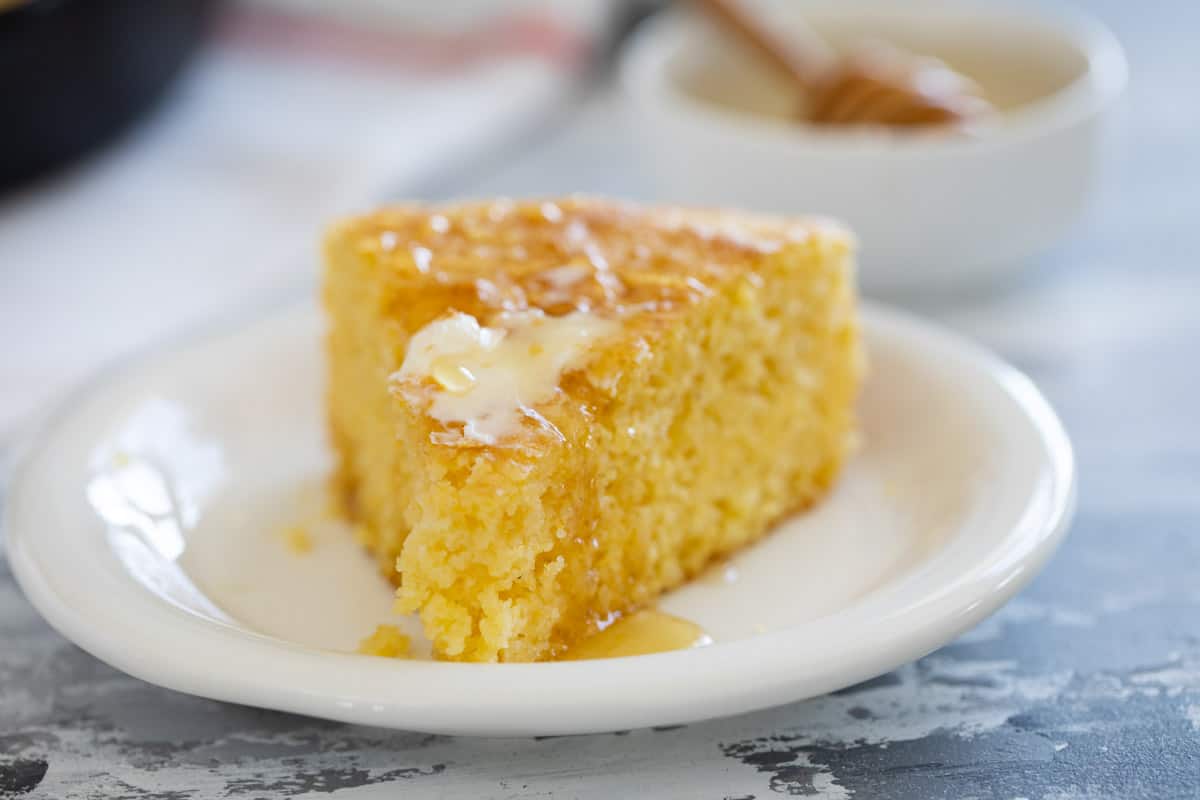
561	255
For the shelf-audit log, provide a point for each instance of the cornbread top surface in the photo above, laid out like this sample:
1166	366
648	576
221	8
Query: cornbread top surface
563	255
500	303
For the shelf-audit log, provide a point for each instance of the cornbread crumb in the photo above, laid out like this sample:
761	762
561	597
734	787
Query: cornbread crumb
331	508
363	534
387	641
685	379
298	540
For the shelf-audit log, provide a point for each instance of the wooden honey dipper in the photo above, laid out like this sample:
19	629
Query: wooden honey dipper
875	84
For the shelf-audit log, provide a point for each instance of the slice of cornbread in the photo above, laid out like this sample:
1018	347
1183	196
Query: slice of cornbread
547	413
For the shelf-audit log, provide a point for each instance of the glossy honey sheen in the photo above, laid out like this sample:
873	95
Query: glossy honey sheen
638	634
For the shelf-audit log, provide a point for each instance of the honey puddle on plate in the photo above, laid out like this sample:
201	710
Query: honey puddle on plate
638	634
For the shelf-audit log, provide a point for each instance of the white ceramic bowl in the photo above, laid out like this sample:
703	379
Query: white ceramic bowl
931	211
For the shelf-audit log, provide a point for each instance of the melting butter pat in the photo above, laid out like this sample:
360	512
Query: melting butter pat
489	378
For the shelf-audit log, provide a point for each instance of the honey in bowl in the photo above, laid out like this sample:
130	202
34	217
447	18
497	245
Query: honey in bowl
891	68
875	84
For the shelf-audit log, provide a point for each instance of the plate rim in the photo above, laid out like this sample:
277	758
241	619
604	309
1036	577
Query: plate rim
511	699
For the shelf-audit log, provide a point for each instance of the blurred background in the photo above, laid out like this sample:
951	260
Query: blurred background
169	164
162	163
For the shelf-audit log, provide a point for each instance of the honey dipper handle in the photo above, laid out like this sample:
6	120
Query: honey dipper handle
803	58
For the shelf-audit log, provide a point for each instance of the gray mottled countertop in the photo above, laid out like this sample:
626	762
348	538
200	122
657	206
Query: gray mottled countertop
1086	686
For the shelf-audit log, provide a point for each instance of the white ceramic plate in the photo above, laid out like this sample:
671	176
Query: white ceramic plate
147	525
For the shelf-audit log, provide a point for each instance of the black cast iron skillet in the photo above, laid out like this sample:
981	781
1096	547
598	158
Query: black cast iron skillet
74	73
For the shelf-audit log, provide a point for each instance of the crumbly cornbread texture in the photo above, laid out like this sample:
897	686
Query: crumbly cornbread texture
718	400
386	641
